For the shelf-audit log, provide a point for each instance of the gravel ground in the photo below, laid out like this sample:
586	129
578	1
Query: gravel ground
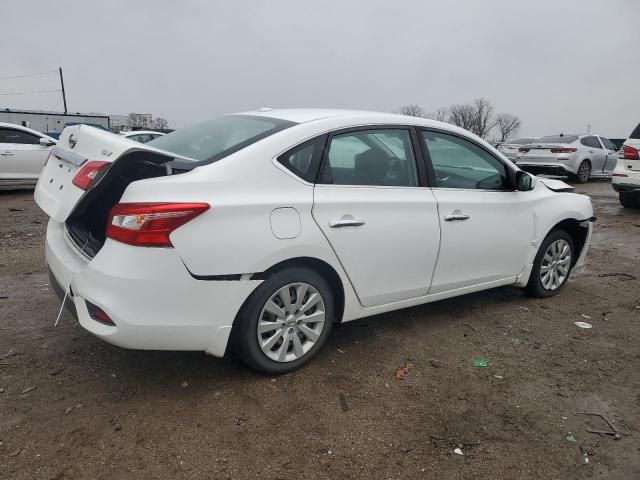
74	407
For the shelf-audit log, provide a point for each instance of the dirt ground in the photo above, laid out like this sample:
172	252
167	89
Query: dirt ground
74	407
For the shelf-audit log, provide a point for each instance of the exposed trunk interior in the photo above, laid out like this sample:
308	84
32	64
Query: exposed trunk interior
88	222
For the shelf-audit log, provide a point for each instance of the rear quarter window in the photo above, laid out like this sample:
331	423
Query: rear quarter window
304	159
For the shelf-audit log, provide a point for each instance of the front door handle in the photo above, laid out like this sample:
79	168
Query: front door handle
6	154
346	222
455	217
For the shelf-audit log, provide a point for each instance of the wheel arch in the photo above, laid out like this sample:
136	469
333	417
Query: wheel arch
320	266
576	231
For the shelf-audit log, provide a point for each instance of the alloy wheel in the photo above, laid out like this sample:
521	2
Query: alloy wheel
584	172
555	264
291	322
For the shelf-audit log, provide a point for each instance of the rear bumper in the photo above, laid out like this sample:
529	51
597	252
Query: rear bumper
148	293
629	183
548	168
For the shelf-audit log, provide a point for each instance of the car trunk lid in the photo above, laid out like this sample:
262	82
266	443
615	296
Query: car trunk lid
540	152
56	192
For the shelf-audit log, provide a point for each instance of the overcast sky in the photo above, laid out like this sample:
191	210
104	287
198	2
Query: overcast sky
559	65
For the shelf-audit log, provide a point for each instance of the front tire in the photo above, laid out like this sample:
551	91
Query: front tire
552	265
584	172
285	321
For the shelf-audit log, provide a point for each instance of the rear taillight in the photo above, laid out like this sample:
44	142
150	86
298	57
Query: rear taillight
629	153
150	224
523	149
564	150
86	176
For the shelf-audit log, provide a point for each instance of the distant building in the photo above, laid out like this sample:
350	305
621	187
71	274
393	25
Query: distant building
141	120
120	123
44	121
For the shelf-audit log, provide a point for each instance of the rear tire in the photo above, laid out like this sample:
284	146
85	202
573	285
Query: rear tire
301	323
628	200
584	172
552	265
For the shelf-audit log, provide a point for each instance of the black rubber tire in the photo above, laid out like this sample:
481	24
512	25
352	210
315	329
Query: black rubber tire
578	177
534	287
244	340
627	200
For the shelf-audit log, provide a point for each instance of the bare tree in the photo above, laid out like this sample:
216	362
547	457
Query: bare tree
441	115
483	119
411	110
462	115
160	123
507	125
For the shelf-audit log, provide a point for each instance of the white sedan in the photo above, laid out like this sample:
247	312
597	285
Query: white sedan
265	228
23	152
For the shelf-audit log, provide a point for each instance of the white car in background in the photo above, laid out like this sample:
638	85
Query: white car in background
263	229
581	157
511	148
142	136
626	176
23	153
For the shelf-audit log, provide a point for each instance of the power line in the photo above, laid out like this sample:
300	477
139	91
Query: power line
30	93
28	75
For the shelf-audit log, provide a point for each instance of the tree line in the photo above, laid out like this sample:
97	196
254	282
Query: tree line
478	117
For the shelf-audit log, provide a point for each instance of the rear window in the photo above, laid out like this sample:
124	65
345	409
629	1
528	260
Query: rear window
520	141
636	133
558	139
215	139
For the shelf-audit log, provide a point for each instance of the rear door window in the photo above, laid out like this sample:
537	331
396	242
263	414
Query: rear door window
591	142
380	157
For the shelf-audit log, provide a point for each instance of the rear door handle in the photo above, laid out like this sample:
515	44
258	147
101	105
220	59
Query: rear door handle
346	222
6	154
455	217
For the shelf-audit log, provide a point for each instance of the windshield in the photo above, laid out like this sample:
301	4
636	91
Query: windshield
558	139
214	139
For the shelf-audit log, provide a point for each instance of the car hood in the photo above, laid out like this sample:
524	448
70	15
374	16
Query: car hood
555	185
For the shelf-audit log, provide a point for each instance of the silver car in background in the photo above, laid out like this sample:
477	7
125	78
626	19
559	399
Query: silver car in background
580	157
510	148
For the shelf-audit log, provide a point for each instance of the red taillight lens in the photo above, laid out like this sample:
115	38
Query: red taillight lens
150	224
88	173
523	149
564	150
629	153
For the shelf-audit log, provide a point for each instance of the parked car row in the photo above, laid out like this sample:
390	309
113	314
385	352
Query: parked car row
580	157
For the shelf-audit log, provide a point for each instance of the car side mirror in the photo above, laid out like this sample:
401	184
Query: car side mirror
524	181
45	142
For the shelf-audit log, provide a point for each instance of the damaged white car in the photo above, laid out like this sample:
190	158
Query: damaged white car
261	230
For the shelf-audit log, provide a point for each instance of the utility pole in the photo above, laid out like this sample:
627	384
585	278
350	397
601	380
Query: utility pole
64	97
